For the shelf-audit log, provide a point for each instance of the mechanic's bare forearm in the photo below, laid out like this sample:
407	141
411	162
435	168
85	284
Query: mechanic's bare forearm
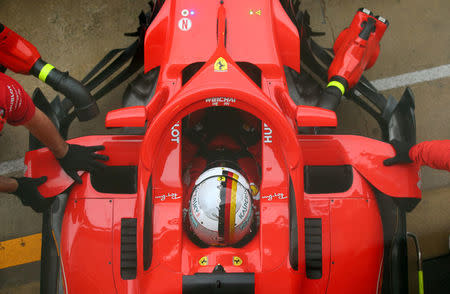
43	129
8	185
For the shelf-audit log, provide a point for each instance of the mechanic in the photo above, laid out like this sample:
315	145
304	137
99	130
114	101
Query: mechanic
435	154
356	49
17	108
221	176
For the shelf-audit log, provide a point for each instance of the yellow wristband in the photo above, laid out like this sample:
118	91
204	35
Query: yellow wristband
45	71
337	85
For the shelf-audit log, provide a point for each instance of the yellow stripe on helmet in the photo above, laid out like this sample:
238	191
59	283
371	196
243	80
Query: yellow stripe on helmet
233	205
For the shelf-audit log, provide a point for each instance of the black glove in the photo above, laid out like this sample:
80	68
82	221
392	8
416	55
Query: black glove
82	158
402	153
29	195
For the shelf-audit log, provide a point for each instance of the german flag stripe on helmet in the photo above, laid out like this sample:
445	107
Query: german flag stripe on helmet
233	204
227	209
222	209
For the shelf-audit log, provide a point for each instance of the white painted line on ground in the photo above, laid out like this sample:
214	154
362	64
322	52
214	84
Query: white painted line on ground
411	78
402	80
12	166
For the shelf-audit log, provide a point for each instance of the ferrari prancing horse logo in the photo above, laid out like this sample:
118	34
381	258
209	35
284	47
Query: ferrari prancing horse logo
221	65
203	261
257	12
237	261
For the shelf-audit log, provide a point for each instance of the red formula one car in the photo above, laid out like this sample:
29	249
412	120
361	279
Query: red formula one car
320	213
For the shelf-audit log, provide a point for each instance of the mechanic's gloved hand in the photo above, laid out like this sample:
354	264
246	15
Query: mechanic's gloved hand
402	153
82	158
29	195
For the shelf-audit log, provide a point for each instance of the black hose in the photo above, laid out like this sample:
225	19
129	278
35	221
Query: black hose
331	96
85	106
330	99
368	28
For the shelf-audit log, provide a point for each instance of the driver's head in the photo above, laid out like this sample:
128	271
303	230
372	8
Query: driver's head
221	211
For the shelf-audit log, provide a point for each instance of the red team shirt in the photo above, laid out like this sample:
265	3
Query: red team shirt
16	106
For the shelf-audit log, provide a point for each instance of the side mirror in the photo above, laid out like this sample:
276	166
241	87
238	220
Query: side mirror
134	116
310	116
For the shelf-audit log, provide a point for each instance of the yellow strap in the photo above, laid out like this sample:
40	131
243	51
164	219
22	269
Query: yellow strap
337	85
45	71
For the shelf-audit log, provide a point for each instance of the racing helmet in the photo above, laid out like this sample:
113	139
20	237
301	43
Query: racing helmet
221	210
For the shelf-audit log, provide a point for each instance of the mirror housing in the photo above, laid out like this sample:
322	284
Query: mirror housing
310	116
134	116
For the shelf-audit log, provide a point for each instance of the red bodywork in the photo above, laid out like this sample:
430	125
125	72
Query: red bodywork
352	237
16	53
353	54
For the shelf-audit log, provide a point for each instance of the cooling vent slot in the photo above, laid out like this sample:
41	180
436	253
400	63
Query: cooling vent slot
148	226
328	179
219	282
128	249
293	228
313	248
252	71
115	179
189	71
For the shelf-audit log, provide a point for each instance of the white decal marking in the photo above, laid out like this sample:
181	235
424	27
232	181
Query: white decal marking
267	134
175	133
270	197
185	12
185	24
173	196
224	100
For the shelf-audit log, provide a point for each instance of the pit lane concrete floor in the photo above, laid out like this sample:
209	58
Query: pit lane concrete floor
75	35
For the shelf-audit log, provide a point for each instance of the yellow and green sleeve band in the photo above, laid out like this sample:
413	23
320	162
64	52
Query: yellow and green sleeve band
45	71
337	85
420	282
